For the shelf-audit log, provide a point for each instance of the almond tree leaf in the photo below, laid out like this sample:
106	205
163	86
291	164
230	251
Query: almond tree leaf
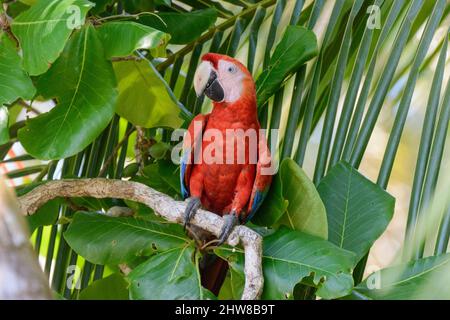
114	240
100	5
273	207
144	99
14	82
162	175
358	210
289	256
45	216
121	39
305	211
83	83
44	29
294	201
183	27
416	280
297	46
113	287
170	275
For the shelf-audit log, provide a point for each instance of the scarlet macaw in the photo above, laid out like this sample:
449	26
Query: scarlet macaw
233	189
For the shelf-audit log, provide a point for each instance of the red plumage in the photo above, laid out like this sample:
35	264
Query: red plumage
225	187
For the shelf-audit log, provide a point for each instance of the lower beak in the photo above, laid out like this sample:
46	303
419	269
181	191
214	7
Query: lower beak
213	88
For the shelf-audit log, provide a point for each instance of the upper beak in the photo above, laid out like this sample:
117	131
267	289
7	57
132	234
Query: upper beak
206	82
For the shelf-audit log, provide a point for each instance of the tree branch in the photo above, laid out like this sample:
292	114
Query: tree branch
163	205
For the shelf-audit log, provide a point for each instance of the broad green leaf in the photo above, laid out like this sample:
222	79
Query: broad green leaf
183	27
233	286
16	8
424	279
273	207
4	127
28	2
297	46
289	256
83	83
163	176
14	82
144	99
169	275
113	287
44	29
305	211
123	38
294	201
107	240
159	150
225	292
100	5
358	210
45	216
138	6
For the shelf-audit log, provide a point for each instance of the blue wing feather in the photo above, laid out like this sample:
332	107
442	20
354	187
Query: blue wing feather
183	165
258	199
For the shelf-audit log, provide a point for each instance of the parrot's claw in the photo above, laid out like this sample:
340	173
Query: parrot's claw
191	209
230	221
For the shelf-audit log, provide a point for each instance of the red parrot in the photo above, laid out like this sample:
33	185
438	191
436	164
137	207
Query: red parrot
232	189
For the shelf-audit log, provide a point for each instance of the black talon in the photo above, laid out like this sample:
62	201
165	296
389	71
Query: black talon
191	209
231	220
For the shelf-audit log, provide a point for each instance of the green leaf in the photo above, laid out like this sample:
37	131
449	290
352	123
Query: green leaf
4	127
15	83
44	29
144	99
183	27
121	39
169	275
358	210
422	279
273	207
294	201
159	150
113	287
28	2
233	285
305	211
137	6
45	216
16	8
83	83
163	176
289	256
297	46
107	240
100	5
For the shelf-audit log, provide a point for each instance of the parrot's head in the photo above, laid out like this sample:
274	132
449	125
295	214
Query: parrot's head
223	79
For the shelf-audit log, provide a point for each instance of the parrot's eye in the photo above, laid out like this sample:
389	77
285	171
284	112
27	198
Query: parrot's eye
232	69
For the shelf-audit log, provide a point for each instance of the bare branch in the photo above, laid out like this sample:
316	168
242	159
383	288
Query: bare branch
21	277
162	204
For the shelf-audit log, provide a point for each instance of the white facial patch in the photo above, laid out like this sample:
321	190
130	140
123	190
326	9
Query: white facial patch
230	78
201	77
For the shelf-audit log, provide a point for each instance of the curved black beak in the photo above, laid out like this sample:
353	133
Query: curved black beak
213	89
